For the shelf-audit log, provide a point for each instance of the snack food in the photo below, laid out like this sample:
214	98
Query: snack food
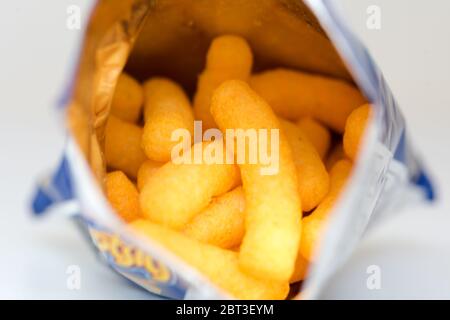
123	146
301	269
222	222
167	109
170	38
175	193
313	179
336	154
146	170
128	98
273	208
354	130
318	134
294	94
313	224
229	57
123	195
219	265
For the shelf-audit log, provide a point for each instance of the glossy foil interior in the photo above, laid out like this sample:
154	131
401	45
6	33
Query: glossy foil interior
177	33
170	38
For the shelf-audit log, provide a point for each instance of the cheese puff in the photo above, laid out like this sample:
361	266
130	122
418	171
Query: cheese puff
167	108
220	266
313	224
147	169
355	129
301	269
230	54
318	134
122	195
294	94
313	179
336	154
123	146
229	57
222	222
273	209
128	99
177	192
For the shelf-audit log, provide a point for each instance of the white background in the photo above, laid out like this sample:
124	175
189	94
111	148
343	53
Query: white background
36	50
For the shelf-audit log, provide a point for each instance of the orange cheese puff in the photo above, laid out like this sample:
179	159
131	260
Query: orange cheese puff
128	99
222	222
336	154
273	209
294	94
313	179
220	266
123	146
230	54
354	130
317	133
175	193
147	169
167	108
122	195
229	57
313	224
301	269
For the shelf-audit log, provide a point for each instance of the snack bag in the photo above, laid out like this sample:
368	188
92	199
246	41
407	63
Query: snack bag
184	230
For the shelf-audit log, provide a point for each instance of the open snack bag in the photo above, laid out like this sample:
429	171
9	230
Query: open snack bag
229	149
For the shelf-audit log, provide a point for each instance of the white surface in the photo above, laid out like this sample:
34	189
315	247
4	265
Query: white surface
413	252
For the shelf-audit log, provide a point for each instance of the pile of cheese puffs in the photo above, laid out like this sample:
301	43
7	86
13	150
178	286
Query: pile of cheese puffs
250	234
